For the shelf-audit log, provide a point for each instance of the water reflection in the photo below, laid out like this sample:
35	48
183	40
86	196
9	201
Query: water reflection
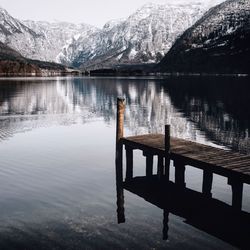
209	215
52	182
218	106
200	109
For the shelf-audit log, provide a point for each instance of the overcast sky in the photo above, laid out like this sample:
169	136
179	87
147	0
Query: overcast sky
95	12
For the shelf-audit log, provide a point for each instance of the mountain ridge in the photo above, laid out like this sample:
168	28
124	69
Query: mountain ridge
144	37
217	43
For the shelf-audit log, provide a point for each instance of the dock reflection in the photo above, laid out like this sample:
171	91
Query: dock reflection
206	214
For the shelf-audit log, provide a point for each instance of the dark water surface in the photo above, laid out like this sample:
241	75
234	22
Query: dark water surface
57	172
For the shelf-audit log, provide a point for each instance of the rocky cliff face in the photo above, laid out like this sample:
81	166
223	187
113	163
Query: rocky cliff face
218	43
16	35
56	38
144	37
39	40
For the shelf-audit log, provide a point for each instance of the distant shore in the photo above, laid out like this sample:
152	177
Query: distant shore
95	74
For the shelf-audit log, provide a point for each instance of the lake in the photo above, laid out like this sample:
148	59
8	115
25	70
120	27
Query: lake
57	164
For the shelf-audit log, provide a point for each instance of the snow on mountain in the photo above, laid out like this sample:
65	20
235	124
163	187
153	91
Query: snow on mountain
57	36
218	42
144	37
12	63
16	35
39	40
10	26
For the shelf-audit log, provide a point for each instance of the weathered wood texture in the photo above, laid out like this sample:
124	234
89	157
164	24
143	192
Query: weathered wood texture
119	160
226	163
120	118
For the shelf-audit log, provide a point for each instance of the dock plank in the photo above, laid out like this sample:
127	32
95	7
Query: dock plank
223	162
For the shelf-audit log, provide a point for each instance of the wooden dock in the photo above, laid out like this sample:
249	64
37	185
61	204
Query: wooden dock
232	165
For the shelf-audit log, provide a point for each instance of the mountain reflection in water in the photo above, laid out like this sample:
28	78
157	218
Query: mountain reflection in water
208	110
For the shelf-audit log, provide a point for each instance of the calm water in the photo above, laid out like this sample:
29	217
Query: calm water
57	173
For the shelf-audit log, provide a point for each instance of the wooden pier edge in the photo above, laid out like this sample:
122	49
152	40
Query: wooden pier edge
232	165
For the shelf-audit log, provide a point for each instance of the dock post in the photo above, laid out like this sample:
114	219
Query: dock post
237	192
207	183
120	118
160	166
119	160
180	173
167	151
129	163
149	163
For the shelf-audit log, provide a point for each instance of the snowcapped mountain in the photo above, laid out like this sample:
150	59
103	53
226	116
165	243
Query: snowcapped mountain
39	40
57	36
16	35
218	42
11	26
144	37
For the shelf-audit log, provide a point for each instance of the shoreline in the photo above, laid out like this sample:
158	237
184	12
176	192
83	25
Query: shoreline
2	76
